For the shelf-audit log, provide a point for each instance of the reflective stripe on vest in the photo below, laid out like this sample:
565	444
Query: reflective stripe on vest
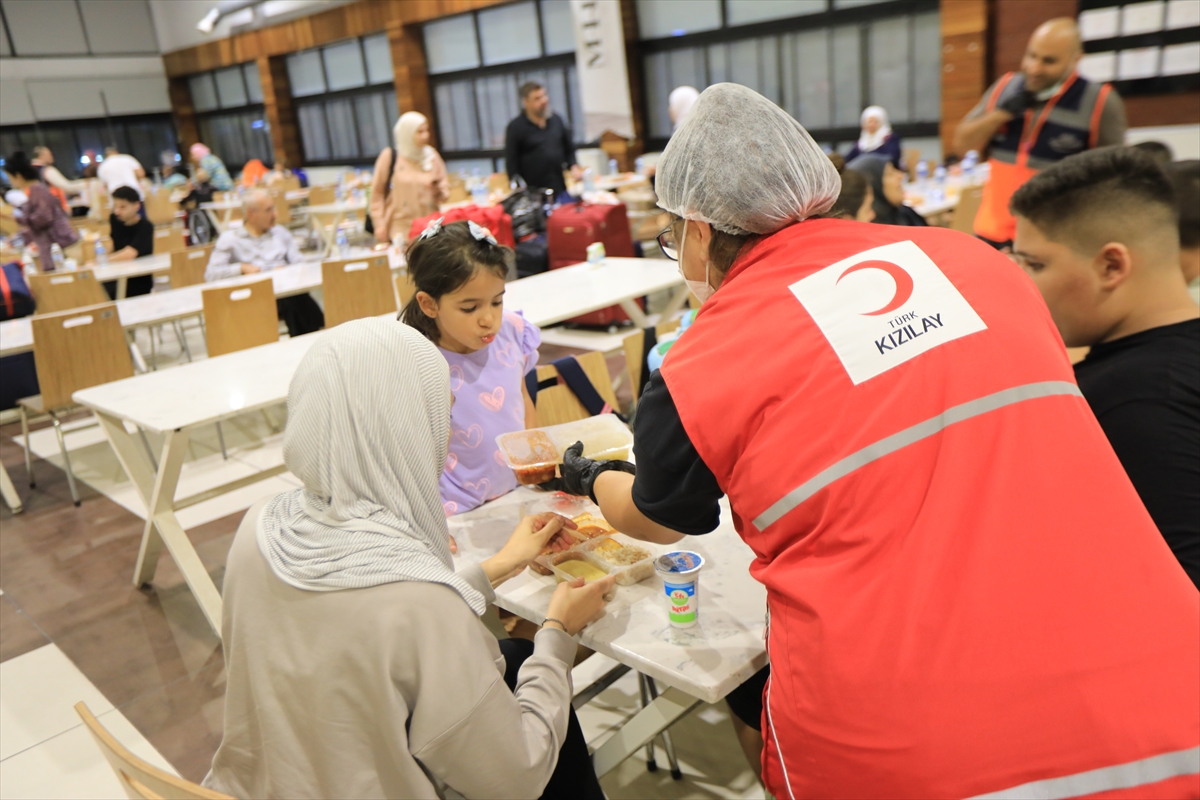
915	433
1106	779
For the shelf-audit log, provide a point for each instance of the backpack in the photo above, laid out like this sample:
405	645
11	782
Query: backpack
15	298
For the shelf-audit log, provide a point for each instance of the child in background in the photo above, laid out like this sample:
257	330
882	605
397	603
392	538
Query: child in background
459	273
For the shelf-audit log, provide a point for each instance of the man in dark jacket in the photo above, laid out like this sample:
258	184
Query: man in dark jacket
537	144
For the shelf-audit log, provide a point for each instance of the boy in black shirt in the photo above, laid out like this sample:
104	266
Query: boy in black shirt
132	237
1098	234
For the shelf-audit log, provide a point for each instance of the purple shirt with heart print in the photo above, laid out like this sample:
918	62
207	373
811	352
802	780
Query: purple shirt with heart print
487	402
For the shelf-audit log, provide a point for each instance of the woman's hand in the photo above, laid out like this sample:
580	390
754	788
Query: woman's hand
576	604
526	543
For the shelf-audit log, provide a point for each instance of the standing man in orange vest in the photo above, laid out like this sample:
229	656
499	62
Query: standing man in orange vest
1034	118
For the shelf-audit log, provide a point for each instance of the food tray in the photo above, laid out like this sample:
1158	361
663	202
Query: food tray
592	552
556	560
535	453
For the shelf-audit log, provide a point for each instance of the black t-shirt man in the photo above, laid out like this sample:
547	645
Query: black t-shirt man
537	154
1145	391
139	236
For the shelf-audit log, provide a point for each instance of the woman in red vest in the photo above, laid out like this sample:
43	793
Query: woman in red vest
966	597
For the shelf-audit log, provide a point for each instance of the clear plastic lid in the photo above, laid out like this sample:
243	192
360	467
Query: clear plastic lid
604	437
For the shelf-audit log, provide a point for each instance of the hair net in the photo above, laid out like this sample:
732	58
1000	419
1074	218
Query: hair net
741	164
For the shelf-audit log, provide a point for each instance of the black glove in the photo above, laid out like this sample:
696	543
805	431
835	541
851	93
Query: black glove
579	473
1017	102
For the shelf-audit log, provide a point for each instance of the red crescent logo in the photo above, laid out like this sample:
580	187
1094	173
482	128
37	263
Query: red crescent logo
904	284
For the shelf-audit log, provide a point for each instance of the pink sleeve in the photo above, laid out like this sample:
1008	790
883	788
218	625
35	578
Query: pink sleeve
528	336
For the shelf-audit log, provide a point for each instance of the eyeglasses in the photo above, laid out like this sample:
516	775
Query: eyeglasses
666	243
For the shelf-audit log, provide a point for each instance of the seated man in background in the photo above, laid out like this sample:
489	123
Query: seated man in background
1186	177
1097	232
261	245
132	237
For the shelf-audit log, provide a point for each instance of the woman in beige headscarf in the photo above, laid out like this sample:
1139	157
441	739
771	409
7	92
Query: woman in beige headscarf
410	180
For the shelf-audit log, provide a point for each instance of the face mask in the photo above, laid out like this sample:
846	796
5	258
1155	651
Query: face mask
1046	94
699	288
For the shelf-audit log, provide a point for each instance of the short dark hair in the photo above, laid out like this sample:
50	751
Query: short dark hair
18	164
854	193
126	193
443	263
1107	194
529	87
1159	151
1185	175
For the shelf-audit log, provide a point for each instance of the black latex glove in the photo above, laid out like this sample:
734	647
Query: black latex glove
1017	103
579	473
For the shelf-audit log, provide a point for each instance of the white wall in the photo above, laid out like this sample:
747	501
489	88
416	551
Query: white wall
1184	140
79	88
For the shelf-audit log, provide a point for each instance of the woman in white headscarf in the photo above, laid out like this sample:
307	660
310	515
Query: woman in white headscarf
356	662
876	138
409	182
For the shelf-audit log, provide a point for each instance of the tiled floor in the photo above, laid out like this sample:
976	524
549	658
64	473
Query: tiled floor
73	625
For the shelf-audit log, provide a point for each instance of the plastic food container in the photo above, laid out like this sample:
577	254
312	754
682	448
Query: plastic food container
575	563
680	572
534	454
630	560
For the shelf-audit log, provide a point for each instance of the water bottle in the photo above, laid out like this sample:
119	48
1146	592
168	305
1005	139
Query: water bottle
968	167
639	164
101	253
342	244
938	191
613	169
548	202
341	186
589	180
922	173
56	255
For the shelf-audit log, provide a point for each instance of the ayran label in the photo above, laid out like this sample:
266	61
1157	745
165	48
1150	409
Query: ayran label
884	306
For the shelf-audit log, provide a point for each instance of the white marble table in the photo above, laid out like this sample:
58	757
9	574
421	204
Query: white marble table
122	271
227	208
561	294
702	663
337	212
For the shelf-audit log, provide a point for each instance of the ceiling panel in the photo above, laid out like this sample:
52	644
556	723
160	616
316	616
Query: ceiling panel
136	95
119	26
66	99
45	27
14	104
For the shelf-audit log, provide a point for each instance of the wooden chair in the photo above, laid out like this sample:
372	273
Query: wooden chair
168	240
458	189
322	195
911	156
290	184
405	288
968	204
240	317
635	351
159	208
140	779
558	404
63	291
499	182
73	350
187	266
283	210
356	288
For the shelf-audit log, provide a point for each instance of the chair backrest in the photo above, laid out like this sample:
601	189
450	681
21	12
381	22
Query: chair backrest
968	204
78	349
356	288
140	779
458	189
220	197
911	156
283	211
635	352
159	208
322	195
290	184
558	404
239	317
187	266
405	288
62	291
499	182
168	240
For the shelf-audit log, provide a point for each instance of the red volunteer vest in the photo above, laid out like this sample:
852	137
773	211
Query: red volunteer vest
966	594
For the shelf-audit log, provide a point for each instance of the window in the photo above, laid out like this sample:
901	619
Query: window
345	100
478	61
150	138
1143	48
822	61
230	115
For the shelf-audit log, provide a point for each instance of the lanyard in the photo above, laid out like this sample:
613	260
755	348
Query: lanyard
1035	129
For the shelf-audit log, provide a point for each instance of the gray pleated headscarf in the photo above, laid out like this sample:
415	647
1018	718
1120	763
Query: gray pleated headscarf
367	434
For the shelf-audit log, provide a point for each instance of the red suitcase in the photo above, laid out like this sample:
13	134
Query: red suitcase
569	231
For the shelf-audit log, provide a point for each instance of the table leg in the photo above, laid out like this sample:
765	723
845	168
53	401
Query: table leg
162	516
136	463
660	714
678	301
122	286
138	360
635	313
11	498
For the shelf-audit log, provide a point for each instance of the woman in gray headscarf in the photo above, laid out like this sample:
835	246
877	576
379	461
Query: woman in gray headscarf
356	662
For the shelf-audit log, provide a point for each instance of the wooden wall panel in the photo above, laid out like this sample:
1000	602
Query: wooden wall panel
633	65
1165	109
184	112
964	62
281	112
1013	22
411	77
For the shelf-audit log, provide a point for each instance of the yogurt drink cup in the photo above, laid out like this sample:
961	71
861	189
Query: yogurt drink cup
680	573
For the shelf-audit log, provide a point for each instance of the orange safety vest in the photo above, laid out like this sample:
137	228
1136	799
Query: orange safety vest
1069	123
966	596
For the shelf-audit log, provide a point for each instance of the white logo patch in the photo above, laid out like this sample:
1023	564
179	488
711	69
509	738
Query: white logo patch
884	306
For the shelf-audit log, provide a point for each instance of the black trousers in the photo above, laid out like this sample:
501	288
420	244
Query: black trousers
574	777
301	314
140	284
746	701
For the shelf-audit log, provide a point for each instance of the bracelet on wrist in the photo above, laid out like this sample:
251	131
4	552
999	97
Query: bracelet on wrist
561	624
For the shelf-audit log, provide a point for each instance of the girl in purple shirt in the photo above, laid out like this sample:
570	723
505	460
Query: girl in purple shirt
459	273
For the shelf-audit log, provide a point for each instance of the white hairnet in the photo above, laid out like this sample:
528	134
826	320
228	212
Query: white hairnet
742	165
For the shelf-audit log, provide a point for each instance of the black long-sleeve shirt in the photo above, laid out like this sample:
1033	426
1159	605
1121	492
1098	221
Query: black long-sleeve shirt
539	155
